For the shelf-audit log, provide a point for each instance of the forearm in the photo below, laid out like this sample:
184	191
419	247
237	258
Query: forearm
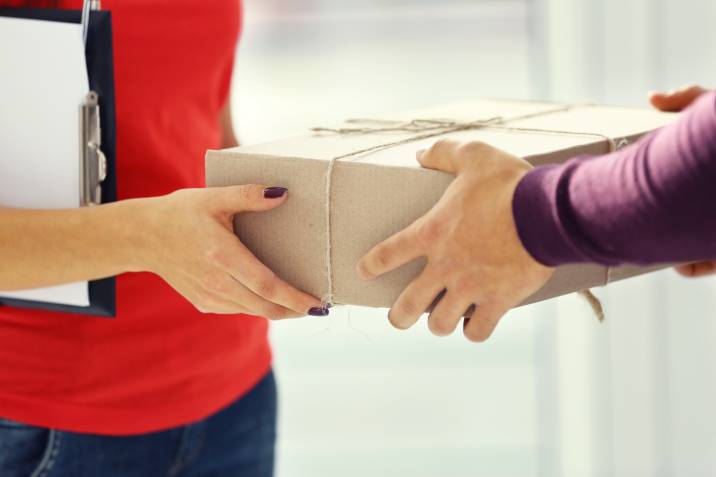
652	202
49	247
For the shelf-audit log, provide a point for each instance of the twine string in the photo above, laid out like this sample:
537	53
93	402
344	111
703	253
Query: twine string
427	129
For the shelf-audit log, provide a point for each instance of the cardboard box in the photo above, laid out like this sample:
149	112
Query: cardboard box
377	193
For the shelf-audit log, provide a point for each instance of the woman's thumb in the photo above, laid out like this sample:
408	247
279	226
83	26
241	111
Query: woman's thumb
247	198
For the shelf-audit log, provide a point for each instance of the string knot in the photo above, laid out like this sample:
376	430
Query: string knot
426	129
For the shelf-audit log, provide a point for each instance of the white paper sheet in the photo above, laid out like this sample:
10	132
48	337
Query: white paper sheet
42	85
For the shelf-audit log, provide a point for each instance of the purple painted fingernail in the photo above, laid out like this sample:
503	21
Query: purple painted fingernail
274	192
318	311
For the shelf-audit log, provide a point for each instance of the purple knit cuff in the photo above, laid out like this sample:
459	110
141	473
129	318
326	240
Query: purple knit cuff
536	214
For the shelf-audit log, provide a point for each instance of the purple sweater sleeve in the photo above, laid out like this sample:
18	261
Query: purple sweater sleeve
651	202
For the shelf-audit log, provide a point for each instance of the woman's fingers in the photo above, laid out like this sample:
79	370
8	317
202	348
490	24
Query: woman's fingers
676	100
414	300
196	252
257	277
230	289
447	314
205	301
267	291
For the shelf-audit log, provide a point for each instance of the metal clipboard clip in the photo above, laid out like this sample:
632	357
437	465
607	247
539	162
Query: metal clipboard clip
93	163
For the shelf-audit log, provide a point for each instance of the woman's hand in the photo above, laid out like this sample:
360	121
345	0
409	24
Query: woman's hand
191	245
475	259
675	101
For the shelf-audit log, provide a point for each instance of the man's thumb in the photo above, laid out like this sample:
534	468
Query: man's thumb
440	156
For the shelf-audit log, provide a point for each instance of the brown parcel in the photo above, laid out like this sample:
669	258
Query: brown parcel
375	194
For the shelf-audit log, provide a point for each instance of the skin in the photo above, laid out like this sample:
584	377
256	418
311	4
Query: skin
476	264
185	237
470	241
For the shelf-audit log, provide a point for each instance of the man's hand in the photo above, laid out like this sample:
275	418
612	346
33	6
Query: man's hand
675	101
476	263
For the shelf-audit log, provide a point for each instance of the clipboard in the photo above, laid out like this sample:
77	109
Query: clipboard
98	183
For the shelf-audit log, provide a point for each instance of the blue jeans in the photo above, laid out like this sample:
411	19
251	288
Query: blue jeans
237	441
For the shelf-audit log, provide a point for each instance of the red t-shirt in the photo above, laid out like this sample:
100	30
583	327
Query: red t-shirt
159	363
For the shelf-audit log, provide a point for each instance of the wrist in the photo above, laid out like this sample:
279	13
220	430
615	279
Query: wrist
514	226
130	231
535	209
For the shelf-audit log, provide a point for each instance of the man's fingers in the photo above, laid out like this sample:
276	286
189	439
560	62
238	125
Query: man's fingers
704	268
447	314
441	156
415	300
257	277
483	321
391	253
700	269
246	198
676	100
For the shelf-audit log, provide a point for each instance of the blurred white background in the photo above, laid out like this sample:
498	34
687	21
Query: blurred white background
553	393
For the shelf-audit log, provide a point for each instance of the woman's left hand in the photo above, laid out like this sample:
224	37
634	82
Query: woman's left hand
475	259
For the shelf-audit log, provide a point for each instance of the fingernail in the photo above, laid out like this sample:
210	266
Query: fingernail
318	311
274	192
420	153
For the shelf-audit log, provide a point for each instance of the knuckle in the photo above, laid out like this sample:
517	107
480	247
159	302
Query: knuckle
279	313
465	287
215	255
442	269
222	287
365	268
245	193
442	145
380	258
430	231
473	148
406	308
212	282
266	287
271	312
250	193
